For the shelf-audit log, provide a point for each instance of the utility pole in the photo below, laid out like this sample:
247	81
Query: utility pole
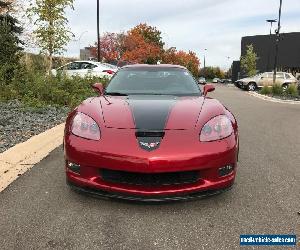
271	21
277	32
98	31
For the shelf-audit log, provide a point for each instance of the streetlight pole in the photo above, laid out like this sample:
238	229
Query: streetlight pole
271	21
277	32
204	59
79	40
98	31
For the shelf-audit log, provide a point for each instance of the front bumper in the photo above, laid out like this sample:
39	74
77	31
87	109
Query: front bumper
175	155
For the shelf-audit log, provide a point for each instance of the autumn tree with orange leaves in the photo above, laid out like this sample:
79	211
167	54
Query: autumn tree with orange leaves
188	60
112	46
144	44
138	50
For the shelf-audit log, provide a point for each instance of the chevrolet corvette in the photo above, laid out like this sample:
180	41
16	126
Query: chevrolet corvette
151	135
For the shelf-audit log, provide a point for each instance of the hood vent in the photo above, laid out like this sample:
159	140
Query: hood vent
150	134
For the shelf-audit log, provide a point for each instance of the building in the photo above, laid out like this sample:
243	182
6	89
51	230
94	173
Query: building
264	46
86	54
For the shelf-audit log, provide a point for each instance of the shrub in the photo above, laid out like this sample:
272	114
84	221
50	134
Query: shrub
266	90
277	89
38	90
292	90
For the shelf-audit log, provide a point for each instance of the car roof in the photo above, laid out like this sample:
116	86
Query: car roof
133	66
87	61
278	72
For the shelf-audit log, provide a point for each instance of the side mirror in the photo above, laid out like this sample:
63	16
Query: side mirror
98	87
208	88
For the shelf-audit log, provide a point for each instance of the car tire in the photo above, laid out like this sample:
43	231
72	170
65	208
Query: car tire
285	86
251	86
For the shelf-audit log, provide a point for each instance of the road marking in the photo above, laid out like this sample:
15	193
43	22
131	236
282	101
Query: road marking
18	159
272	99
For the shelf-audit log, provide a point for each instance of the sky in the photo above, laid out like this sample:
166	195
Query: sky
214	25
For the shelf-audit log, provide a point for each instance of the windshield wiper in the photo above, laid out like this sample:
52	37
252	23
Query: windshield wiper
115	93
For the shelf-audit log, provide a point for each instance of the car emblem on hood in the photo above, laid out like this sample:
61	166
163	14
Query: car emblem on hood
149	145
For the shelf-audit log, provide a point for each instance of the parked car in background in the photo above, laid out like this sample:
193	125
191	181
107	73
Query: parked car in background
114	67
266	79
216	80
85	68
202	80
225	81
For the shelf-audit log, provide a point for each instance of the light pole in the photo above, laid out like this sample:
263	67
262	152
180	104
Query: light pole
79	40
228	58
204	59
277	32
98	31
271	21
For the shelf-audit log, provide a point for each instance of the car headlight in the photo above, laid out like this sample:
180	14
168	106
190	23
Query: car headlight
217	128
84	126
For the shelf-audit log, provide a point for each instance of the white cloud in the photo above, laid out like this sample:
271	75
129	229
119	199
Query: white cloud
216	25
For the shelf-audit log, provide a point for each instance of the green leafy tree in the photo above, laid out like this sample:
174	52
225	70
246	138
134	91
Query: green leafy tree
248	61
10	44
212	72
51	29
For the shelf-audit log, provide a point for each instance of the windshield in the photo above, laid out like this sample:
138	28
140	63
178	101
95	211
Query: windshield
153	81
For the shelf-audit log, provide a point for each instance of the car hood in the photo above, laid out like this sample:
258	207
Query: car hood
149	112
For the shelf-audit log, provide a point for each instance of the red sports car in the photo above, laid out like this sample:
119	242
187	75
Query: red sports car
151	135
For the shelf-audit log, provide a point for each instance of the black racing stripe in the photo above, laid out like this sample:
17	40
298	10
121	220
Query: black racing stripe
151	113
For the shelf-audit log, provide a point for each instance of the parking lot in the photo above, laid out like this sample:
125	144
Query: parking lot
39	211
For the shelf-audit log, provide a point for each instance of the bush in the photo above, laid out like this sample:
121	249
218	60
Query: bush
277	89
266	90
38	89
292	90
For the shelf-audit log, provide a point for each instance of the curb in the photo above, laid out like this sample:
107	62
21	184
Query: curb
18	159
272	99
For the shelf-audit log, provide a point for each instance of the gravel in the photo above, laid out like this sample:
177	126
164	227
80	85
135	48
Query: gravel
18	124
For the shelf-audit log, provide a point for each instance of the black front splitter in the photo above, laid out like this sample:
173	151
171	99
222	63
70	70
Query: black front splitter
147	199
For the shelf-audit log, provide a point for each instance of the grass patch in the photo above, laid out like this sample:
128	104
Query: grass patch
292	90
265	90
277	89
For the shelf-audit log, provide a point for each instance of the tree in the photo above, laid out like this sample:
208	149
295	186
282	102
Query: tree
10	43
51	29
138	50
150	34
188	60
248	61
112	46
212	72
143	44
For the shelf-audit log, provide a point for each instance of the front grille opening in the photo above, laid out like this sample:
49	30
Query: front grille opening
150	134
157	179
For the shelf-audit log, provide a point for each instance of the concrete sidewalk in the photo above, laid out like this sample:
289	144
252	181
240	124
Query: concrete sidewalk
18	159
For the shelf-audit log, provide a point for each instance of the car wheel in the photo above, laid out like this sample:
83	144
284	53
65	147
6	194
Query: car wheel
251	86
285	86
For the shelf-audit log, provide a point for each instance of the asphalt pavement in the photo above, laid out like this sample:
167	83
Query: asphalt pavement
39	211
